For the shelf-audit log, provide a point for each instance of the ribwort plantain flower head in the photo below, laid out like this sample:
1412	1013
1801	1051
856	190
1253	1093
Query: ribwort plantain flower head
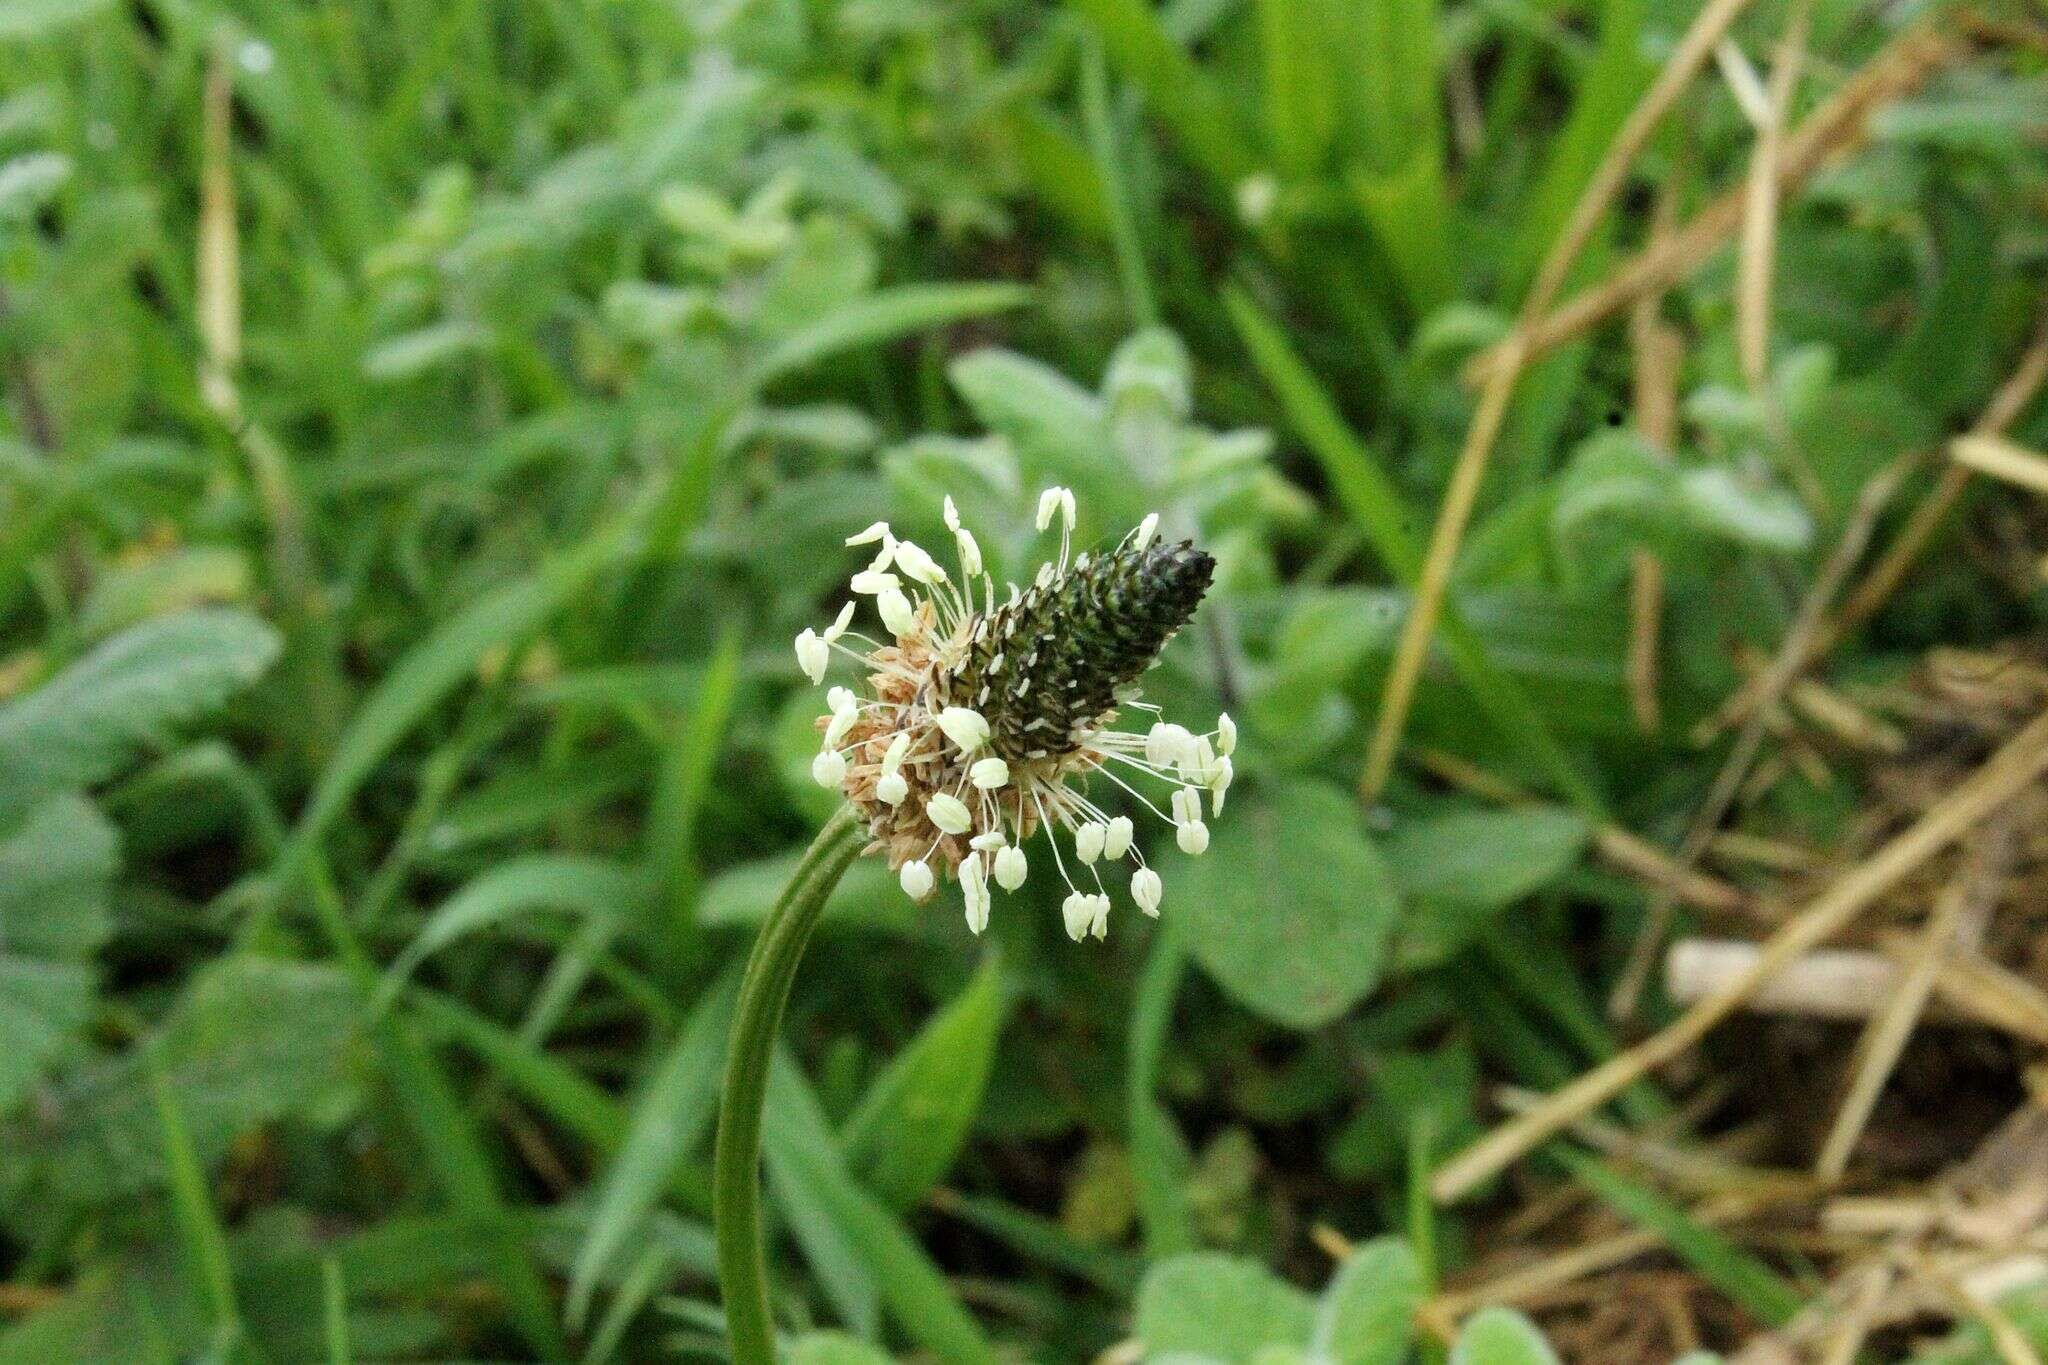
985	718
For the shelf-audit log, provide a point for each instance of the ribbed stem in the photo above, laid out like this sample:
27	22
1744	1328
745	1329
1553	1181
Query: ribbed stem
736	1159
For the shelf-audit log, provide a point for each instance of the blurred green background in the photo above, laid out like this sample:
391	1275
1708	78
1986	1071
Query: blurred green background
427	424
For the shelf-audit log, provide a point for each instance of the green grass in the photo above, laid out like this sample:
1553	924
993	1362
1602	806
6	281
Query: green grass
397	756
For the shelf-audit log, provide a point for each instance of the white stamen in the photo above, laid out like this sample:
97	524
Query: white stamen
1117	840
952	514
876	531
1146	889
828	769
1147	528
1011	867
1193	838
949	813
892	758
868	582
891	790
916	879
839	624
812	654
1076	911
970	553
974	883
841	699
1187	805
1098	917
918	564
1165	742
988	841
842	721
1226	735
897	615
1089	841
964	727
989	774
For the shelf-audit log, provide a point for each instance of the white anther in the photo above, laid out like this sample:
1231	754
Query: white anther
974	884
916	879
812	654
1226	735
989	774
869	582
891	789
876	531
964	727
1193	837
949	813
1165	742
896	613
842	721
915	561
1146	889
1088	842
1076	911
1056	500
828	769
1011	867
1117	841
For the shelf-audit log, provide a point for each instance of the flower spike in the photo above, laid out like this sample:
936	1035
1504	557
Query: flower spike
986	714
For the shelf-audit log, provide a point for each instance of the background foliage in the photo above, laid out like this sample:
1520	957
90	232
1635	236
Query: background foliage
429	423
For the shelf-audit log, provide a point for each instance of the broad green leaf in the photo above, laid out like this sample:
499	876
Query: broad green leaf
1501	1336
54	873
1291	906
1486	858
253	1039
1219	1307
915	1118
84	725
1457	870
1367	1314
884	315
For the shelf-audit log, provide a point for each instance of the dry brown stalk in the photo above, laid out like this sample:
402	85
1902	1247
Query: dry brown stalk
1968	898
1416	631
2017	763
1692	52
2002	459
1877	492
1884	577
1830	131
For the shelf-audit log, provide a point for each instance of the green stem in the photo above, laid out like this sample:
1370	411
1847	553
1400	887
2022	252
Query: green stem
736	1160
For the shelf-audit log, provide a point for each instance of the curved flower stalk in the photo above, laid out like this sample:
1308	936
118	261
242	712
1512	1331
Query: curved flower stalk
984	719
981	722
